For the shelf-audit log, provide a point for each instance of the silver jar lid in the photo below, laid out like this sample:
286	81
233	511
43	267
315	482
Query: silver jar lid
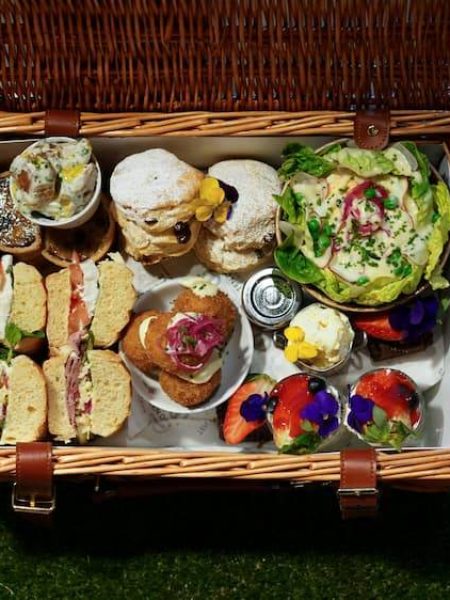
270	299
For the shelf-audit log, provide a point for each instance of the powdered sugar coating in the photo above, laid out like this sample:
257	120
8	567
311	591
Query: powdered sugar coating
252	222
152	180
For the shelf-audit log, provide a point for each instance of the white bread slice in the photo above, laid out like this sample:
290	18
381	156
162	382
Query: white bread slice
115	302
110	401
29	304
26	415
113	308
112	392
58	300
58	417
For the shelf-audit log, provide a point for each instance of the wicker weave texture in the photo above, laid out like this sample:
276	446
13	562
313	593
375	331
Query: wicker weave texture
224	55
403	123
423	468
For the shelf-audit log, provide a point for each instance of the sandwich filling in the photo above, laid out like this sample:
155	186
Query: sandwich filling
5	370
6	291
84	294
194	343
79	388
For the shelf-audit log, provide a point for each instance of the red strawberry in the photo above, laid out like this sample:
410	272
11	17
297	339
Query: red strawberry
235	427
379	327
391	391
293	394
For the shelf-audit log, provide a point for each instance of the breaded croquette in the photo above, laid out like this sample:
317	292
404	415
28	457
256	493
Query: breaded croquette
187	393
218	306
132	341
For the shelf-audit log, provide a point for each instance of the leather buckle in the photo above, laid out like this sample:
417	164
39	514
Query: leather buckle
32	505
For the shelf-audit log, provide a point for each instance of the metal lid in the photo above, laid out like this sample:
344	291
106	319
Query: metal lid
270	299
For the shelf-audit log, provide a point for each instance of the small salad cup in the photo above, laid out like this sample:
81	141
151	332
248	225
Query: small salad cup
79	218
385	409
305	415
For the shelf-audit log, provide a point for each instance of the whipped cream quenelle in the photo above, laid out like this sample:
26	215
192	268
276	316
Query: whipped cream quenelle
326	330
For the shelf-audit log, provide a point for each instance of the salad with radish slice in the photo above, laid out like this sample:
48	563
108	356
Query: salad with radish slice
363	226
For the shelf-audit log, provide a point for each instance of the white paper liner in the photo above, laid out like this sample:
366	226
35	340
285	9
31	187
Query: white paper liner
149	427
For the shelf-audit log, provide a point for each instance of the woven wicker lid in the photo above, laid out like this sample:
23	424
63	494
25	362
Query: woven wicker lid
105	55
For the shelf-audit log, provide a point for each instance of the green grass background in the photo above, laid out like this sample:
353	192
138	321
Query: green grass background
284	544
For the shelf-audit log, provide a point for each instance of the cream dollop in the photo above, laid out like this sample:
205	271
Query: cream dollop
143	327
327	329
200	286
204	375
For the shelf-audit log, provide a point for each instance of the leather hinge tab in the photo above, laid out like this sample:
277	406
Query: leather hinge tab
371	129
33	491
62	123
358	494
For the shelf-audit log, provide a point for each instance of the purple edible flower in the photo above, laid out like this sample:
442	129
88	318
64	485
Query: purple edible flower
254	408
322	411
416	318
361	411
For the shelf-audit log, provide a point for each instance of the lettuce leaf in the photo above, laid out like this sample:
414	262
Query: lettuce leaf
295	265
299	158
421	178
439	235
291	203
366	163
387	289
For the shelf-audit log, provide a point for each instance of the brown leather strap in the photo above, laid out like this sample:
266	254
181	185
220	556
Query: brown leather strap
33	493
371	129
358	494
62	122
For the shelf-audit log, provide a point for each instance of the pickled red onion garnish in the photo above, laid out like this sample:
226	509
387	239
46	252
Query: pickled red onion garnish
369	220
193	338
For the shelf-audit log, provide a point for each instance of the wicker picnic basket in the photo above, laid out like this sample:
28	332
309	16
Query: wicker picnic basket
228	68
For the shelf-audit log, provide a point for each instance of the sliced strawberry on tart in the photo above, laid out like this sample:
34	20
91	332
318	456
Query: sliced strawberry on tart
246	410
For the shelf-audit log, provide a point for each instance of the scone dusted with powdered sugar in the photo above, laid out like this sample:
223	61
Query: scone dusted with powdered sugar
154	202
86	296
246	237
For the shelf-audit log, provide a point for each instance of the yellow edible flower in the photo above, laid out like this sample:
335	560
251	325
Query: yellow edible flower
211	201
297	348
294	334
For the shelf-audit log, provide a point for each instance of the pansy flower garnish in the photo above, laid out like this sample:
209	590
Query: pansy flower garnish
255	407
322	413
212	202
361	412
377	425
297	348
415	319
317	420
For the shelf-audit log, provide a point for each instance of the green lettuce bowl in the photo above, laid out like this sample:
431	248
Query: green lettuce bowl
418	285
